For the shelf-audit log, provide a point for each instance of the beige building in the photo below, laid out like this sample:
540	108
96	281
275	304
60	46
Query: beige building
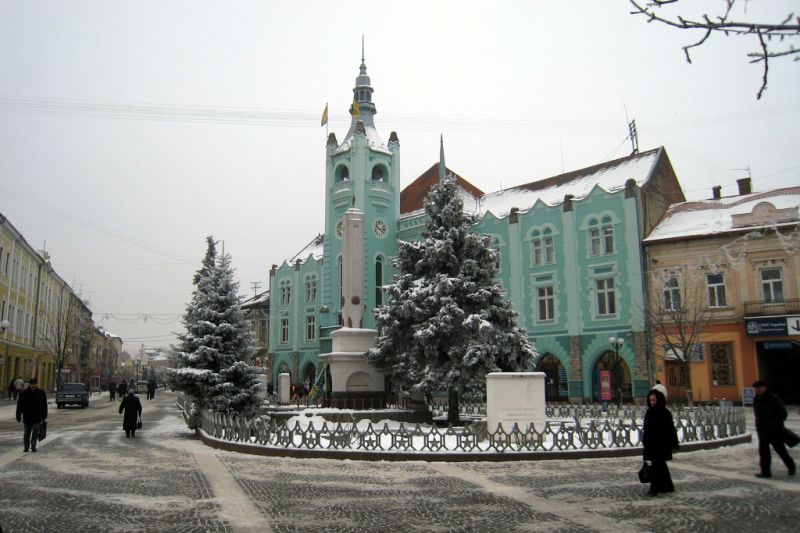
724	279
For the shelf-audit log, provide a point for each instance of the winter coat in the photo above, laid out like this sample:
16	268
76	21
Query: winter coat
122	388
133	410
659	437
32	406
770	414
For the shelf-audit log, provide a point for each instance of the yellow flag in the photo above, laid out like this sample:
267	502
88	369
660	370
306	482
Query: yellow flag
356	109
324	116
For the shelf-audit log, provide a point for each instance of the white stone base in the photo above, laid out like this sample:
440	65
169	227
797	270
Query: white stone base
515	397
350	371
284	387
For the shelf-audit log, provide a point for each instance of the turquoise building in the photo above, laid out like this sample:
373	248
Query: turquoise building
571	257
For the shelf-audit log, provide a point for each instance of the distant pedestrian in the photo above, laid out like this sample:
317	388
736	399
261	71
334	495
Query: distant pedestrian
151	389
132	386
133	413
770	414
112	390
11	389
659	440
19	386
122	389
32	411
660	388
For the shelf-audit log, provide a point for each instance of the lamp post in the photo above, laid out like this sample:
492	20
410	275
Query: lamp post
3	327
137	364
616	370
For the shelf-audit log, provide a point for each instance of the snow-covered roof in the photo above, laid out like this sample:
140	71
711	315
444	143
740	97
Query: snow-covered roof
734	213
374	141
257	299
610	177
313	249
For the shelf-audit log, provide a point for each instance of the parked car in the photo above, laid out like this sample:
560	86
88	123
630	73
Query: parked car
72	393
141	387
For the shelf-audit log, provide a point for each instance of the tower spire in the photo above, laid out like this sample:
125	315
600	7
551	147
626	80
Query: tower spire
442	167
363	110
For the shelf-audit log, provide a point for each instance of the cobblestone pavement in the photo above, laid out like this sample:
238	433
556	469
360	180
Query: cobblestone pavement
88	477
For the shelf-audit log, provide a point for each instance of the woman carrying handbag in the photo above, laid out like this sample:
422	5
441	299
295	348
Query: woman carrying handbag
659	440
133	413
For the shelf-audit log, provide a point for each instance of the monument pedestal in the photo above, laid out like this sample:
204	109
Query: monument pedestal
355	384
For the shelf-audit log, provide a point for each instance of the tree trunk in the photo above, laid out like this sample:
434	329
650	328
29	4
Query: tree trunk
452	408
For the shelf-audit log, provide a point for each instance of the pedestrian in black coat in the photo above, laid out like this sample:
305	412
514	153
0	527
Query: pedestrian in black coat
32	410
112	390
770	414
122	389
133	412
659	440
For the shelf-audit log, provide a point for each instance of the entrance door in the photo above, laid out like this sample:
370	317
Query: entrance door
677	380
779	366
620	378
555	381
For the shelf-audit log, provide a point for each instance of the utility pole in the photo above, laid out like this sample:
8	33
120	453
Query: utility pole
255	285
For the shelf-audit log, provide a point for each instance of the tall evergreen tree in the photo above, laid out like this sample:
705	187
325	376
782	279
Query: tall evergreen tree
217	339
447	323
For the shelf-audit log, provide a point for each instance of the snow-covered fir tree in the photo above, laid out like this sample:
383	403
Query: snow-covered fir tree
447	322
217	340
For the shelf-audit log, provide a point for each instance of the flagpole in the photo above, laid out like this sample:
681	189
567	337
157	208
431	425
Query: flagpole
326	122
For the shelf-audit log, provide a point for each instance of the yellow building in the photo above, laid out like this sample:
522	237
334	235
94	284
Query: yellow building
40	315
724	295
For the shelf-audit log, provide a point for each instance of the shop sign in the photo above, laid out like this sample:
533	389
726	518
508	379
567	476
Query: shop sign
774	326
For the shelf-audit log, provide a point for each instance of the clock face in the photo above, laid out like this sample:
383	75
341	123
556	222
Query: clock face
379	229
340	229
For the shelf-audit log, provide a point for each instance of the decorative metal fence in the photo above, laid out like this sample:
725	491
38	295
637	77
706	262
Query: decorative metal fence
570	427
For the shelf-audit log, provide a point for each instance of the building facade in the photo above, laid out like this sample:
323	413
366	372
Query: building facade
571	257
39	312
735	261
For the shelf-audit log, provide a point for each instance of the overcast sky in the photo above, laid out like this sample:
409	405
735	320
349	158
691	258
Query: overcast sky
129	131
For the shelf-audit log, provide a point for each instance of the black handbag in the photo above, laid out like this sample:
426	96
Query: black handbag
139	424
644	472
43	430
790	438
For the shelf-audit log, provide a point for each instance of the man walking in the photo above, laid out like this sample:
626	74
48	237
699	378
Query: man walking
32	410
770	414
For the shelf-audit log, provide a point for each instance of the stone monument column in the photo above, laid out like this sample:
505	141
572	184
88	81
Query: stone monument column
354	382
353	269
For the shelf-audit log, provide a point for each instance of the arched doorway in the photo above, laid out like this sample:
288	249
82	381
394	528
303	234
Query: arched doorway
612	370
309	375
555	381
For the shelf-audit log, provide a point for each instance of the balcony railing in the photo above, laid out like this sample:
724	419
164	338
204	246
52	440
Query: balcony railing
770	308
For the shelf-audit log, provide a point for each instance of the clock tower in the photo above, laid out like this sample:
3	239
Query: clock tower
363	172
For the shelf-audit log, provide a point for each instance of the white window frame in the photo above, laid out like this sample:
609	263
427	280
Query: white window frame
671	291
605	296
311	328
545	299
768	286
716	290
284	331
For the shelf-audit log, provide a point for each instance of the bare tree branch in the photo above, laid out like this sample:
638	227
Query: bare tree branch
763	32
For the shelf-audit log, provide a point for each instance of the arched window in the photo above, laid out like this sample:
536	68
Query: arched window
379	173
286	292
594	238
342	173
608	236
378	281
542	247
311	288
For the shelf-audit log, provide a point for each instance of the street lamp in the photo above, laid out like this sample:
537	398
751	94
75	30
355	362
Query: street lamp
4	326
616	370
137	364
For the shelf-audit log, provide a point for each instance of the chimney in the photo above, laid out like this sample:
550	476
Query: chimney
744	186
717	192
